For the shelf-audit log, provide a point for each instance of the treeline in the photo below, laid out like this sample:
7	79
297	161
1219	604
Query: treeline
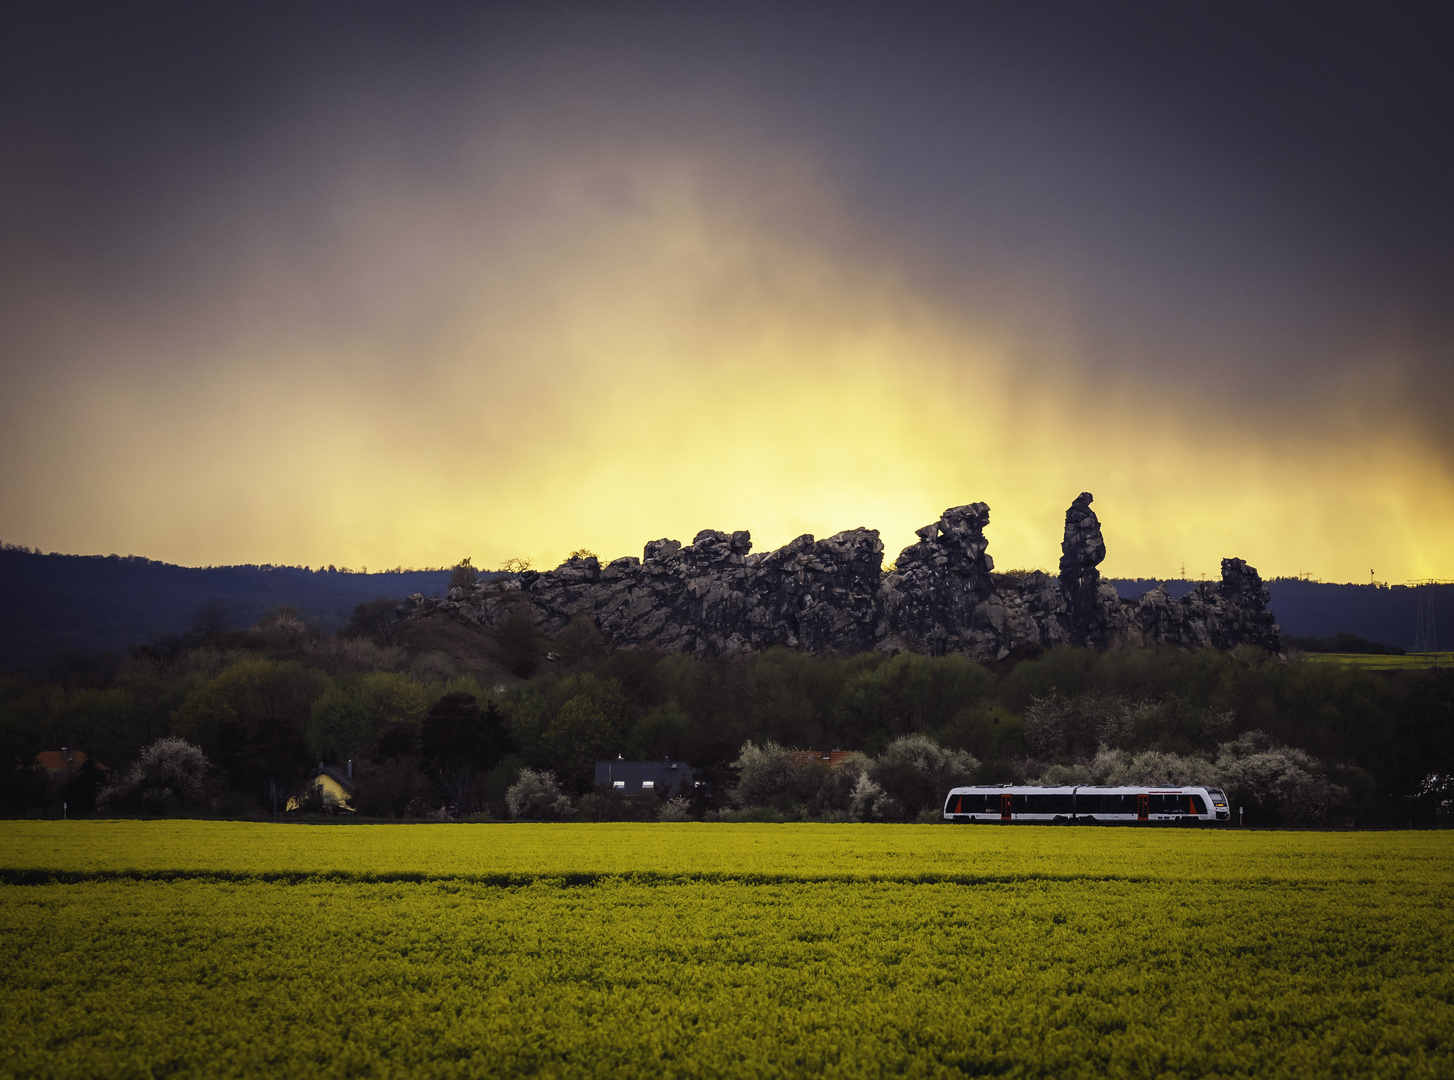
1341	643
452	731
52	604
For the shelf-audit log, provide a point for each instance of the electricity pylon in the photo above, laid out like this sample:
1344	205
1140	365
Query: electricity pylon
1426	635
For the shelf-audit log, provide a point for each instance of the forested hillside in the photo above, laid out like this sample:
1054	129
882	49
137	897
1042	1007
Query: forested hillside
439	717
53	604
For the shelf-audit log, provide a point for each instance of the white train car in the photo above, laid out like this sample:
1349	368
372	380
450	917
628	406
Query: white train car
1085	805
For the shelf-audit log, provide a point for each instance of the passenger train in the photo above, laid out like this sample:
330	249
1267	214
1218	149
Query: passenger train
1088	805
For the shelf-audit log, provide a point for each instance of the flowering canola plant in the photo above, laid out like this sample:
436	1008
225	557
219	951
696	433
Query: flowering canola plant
189	948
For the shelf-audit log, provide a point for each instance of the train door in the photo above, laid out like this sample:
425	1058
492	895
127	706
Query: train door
1005	807
1142	807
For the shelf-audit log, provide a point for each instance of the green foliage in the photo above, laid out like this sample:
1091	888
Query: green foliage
916	772
771	775
581	644
912	694
664	731
249	691
266	704
521	644
348	718
585	729
388	787
570	723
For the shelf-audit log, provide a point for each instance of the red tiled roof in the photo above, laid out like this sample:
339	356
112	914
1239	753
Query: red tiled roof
826	757
55	760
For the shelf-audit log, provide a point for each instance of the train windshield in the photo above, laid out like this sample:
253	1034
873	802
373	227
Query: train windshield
1219	800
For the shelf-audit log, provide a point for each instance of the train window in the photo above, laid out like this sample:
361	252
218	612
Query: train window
1198	804
966	804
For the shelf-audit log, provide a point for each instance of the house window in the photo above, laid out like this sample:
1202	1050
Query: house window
647	784
619	784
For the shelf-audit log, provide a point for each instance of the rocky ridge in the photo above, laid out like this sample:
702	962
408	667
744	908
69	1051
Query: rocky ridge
716	596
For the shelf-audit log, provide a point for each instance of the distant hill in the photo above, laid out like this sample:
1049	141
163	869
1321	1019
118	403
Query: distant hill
91	603
94	603
1387	615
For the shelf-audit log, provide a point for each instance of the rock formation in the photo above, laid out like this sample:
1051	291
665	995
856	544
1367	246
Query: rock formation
1081	553
715	596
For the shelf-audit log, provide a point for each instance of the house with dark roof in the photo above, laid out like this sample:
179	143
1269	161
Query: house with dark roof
645	777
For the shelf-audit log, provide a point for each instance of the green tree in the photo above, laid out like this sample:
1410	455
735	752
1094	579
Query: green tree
248	690
911	694
253	718
583	731
348	718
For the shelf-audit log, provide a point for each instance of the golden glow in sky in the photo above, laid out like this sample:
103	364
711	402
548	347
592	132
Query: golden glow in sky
598	350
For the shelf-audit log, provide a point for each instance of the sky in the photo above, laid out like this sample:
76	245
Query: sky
379	285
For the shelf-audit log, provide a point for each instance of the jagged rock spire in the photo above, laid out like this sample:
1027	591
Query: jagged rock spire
1081	553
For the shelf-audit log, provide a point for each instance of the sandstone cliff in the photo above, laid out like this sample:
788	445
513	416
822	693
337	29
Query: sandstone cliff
716	596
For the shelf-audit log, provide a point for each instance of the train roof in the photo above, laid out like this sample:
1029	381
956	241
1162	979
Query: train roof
1067	789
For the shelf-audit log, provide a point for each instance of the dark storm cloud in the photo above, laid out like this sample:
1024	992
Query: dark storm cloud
1240	209
1276	173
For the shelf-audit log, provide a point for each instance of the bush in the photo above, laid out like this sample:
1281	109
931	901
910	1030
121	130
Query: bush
770	775
172	774
537	796
1115	768
916	772
871	803
1281	782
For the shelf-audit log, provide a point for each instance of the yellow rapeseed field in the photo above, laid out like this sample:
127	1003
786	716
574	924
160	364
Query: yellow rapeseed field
220	949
